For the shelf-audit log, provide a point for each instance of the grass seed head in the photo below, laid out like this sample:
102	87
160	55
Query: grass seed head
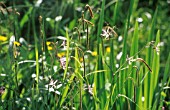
90	10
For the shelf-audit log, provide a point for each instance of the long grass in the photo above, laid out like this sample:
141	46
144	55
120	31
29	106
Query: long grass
99	79
149	54
74	64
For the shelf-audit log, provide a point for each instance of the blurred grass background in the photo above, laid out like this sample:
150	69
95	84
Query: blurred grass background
67	59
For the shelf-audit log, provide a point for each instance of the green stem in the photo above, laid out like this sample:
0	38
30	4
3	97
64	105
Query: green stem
36	50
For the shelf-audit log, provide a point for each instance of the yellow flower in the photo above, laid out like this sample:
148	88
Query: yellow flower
3	38
48	43
61	54
17	43
108	49
81	59
94	53
49	48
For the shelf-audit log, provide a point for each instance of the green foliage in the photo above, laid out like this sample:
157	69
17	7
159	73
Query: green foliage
107	54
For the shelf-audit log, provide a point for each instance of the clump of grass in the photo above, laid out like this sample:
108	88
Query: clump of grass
66	72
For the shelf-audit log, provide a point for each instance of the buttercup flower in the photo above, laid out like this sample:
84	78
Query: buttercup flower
94	53
3	38
49	47
108	49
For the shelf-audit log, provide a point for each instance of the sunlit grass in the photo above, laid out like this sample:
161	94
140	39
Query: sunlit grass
85	66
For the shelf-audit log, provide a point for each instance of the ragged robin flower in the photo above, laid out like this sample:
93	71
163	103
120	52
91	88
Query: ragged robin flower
2	90
53	86
108	32
89	88
63	62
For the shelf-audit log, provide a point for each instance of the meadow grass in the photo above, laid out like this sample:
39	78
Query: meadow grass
79	67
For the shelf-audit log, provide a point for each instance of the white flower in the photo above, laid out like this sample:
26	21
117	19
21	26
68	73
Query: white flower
11	41
38	3
57	92
51	89
89	88
48	19
107	86
105	33
58	18
28	99
33	75
55	68
139	20
58	86
119	56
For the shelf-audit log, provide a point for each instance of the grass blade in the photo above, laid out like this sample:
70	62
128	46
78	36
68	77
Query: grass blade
132	70
124	51
99	78
148	61
67	54
36	50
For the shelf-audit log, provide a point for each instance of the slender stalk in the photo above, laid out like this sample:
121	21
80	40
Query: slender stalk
87	40
36	50
67	55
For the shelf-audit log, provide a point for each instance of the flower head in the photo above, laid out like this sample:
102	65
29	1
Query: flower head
2	90
3	38
108	49
89	88
107	32
52	87
94	53
63	62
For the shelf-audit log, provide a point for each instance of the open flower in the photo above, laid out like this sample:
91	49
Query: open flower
17	43
2	90
49	47
3	38
52	87
94	53
61	54
107	32
63	62
64	44
108	49
89	88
